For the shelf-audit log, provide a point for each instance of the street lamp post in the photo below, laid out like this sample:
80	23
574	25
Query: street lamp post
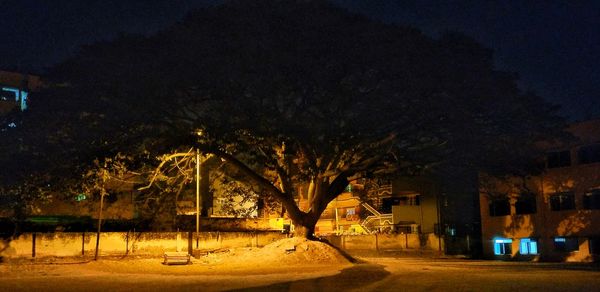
197	196
102	194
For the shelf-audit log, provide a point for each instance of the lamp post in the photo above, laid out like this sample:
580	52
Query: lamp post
102	194
197	196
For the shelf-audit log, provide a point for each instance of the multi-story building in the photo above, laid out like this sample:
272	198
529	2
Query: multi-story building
551	216
416	205
341	216
406	205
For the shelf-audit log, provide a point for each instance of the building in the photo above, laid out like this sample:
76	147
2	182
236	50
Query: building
409	205
444	205
341	216
553	216
15	89
384	208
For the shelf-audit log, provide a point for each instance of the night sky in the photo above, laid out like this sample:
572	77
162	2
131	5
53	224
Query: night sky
553	45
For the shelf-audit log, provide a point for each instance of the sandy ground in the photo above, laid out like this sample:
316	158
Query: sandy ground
249	270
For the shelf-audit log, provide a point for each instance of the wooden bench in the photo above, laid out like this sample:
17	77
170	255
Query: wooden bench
176	258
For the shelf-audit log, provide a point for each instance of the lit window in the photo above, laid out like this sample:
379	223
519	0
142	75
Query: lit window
562	201
591	200
451	231
80	197
11	93
566	244
351	214
348	188
502	246
528	246
8	94
350	211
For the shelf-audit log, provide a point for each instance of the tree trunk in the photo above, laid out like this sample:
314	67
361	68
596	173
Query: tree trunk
302	231
305	222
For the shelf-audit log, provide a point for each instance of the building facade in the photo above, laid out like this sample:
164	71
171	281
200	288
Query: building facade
553	216
418	205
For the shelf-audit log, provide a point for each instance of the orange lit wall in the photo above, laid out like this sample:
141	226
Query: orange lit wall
546	224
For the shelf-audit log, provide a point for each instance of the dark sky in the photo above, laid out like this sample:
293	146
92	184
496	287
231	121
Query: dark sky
553	45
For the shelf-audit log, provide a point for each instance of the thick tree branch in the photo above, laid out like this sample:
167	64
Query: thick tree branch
283	197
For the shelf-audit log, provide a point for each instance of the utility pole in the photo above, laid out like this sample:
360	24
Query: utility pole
197	196
102	193
337	223
439	218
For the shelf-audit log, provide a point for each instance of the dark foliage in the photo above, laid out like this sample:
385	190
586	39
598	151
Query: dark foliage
296	95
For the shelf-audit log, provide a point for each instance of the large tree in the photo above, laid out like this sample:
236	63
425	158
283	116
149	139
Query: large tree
301	97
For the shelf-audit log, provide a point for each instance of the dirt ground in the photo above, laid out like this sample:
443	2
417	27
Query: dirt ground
284	269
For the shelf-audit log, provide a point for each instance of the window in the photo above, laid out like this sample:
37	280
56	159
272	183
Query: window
525	204
591	200
502	246
14	94
559	159
7	95
348	188
528	246
566	244
562	201
410	200
500	207
451	231
594	244
589	154
351	214
387	203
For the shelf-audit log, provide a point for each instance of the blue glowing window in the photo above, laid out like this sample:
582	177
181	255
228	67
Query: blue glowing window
502	246
503	240
20	96
528	246
566	244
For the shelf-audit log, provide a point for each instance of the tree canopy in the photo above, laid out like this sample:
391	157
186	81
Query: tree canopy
298	96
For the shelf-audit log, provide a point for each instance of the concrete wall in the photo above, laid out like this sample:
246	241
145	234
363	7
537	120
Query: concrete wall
424	214
546	224
63	244
123	243
408	241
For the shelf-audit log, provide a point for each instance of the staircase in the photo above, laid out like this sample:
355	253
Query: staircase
381	219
